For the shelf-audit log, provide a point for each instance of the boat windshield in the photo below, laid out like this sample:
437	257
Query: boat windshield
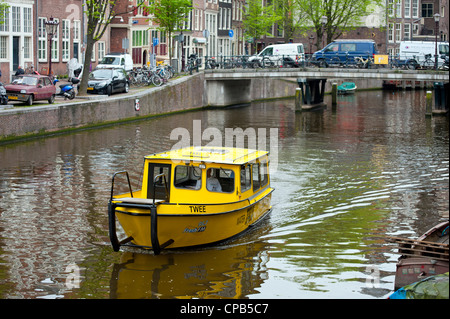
220	180
189	177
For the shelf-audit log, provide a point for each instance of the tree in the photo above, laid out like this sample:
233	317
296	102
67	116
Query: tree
99	14
342	15
171	16
258	19
292	20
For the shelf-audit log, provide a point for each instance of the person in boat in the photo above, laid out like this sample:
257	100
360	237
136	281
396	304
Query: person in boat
212	183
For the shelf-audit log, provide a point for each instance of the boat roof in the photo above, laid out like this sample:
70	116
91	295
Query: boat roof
212	154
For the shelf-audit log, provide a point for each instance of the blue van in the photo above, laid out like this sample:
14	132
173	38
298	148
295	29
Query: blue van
341	52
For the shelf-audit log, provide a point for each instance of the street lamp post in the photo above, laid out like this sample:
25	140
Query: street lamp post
51	26
436	31
323	20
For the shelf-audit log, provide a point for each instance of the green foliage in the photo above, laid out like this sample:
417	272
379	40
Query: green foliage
170	15
258	19
342	15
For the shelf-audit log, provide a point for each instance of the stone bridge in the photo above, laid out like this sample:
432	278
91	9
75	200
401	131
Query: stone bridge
227	87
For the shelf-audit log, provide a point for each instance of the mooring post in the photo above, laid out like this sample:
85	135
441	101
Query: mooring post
334	94
429	105
298	99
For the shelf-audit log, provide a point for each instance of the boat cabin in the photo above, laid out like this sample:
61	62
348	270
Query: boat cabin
205	175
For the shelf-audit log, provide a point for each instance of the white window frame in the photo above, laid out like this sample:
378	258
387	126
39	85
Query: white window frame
65	40
55	44
4	47
101	50
42	40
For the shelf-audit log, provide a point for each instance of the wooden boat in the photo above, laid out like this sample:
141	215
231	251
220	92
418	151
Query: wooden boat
347	88
422	257
191	197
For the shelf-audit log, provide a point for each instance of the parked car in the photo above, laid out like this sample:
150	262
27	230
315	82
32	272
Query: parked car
344	51
116	60
108	81
287	54
31	87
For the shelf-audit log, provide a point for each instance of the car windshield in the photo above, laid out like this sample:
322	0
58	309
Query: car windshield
111	60
25	80
101	74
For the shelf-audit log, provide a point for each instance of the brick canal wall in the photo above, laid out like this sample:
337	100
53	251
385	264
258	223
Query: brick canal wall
182	94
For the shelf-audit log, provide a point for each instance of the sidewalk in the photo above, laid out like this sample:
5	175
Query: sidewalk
61	100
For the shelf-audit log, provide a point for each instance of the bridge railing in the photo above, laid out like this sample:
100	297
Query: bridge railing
307	60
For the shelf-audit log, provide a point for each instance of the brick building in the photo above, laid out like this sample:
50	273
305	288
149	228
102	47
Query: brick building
24	40
214	28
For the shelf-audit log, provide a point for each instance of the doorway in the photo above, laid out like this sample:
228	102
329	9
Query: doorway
16	52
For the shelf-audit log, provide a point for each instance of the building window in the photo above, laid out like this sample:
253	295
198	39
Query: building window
415	8
93	53
55	45
406	32
27	48
16	19
427	10
398	32
391	32
42	40
4	47
4	19
65	40
407	9
101	50
27	20
76	30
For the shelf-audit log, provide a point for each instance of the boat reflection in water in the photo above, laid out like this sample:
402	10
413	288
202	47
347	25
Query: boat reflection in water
229	272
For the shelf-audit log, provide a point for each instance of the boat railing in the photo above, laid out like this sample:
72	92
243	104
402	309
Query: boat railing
112	183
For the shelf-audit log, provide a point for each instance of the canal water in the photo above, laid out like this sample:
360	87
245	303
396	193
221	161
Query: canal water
344	179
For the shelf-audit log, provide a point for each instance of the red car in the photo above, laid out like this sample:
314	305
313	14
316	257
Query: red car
30	88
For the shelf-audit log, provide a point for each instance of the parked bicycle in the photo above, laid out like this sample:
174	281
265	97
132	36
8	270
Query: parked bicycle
428	63
364	63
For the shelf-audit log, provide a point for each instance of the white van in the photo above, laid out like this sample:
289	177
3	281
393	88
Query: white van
418	49
288	54
116	60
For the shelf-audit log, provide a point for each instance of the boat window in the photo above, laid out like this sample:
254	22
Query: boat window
189	177
220	180
263	172
246	182
162	189
255	176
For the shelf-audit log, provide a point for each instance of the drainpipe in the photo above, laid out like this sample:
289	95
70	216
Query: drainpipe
36	37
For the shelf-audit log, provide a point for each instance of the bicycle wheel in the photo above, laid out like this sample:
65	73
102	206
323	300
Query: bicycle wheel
157	80
411	64
360	63
266	62
428	64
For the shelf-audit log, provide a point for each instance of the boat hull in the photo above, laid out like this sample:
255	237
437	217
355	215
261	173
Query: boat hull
413	269
186	225
423	257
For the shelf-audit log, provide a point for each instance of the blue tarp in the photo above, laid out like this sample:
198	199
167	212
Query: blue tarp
435	287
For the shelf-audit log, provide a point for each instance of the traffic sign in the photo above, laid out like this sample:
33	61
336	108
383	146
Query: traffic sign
155	41
231	33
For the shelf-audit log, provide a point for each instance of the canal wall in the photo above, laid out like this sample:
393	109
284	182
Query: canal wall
182	94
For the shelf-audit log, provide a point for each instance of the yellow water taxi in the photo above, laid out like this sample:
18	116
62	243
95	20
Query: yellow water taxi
192	197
